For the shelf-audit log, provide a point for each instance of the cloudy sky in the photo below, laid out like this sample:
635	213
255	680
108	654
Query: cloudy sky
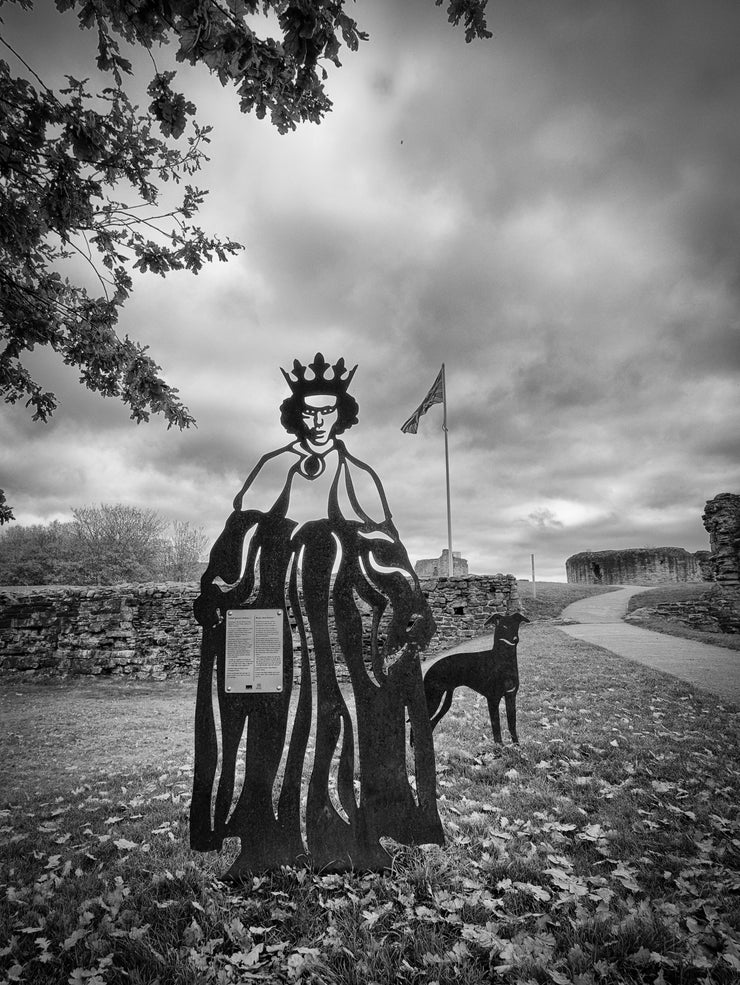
553	213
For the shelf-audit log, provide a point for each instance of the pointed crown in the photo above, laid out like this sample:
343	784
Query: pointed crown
320	382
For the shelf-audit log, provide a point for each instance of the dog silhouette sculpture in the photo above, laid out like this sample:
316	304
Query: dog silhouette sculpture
493	673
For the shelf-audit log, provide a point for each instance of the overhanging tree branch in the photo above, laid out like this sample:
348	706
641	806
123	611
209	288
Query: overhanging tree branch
64	155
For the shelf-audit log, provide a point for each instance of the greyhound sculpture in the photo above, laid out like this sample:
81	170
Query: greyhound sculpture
493	673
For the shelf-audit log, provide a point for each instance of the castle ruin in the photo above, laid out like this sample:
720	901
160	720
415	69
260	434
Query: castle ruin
438	567
637	566
722	522
718	609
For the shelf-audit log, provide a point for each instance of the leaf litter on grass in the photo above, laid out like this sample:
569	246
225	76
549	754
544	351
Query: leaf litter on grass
604	849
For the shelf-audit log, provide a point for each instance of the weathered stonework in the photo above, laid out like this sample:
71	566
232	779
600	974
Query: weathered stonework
461	605
144	631
702	613
148	631
636	566
436	567
722	522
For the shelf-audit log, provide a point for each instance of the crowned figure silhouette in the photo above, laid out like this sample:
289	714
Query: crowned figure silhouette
311	534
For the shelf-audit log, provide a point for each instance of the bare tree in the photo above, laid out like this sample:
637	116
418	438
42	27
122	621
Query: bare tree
120	543
182	552
105	545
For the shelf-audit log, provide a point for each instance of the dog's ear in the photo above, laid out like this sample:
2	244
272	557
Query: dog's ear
521	618
493	618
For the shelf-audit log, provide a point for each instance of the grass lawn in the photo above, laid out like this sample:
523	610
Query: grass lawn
553	596
647	600
604	849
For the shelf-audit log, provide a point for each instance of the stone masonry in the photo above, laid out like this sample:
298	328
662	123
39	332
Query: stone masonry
148	631
722	523
636	566
433	567
702	613
143	631
461	605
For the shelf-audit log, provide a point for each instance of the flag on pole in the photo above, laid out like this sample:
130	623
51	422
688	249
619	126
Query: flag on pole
435	396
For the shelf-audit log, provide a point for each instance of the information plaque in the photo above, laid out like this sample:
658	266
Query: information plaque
254	651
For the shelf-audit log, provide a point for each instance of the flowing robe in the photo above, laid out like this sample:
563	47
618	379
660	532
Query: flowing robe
325	541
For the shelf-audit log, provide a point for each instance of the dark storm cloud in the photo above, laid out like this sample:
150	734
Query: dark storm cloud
619	105
553	214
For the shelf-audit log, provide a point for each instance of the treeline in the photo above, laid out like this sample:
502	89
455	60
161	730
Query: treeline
102	545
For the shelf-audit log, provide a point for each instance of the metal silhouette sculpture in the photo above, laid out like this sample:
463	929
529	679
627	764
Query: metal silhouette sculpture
493	673
322	538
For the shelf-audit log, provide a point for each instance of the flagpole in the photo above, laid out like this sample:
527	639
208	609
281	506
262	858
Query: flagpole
447	473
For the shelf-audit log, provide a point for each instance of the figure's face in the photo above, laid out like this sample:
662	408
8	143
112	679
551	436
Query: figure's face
319	417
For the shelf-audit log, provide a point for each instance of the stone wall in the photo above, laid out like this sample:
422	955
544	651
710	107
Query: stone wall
722	522
148	631
461	605
636	566
135	630
705	613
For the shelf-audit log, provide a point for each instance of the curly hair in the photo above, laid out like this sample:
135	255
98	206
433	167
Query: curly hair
291	414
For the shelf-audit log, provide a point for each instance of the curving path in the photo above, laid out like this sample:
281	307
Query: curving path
598	620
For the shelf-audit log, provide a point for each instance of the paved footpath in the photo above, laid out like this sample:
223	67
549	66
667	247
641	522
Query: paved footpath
599	620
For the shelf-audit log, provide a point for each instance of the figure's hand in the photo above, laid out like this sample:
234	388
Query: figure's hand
206	607
422	628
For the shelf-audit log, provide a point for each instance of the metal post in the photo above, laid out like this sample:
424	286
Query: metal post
534	583
450	566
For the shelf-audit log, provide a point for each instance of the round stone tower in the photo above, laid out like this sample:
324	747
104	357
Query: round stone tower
636	566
